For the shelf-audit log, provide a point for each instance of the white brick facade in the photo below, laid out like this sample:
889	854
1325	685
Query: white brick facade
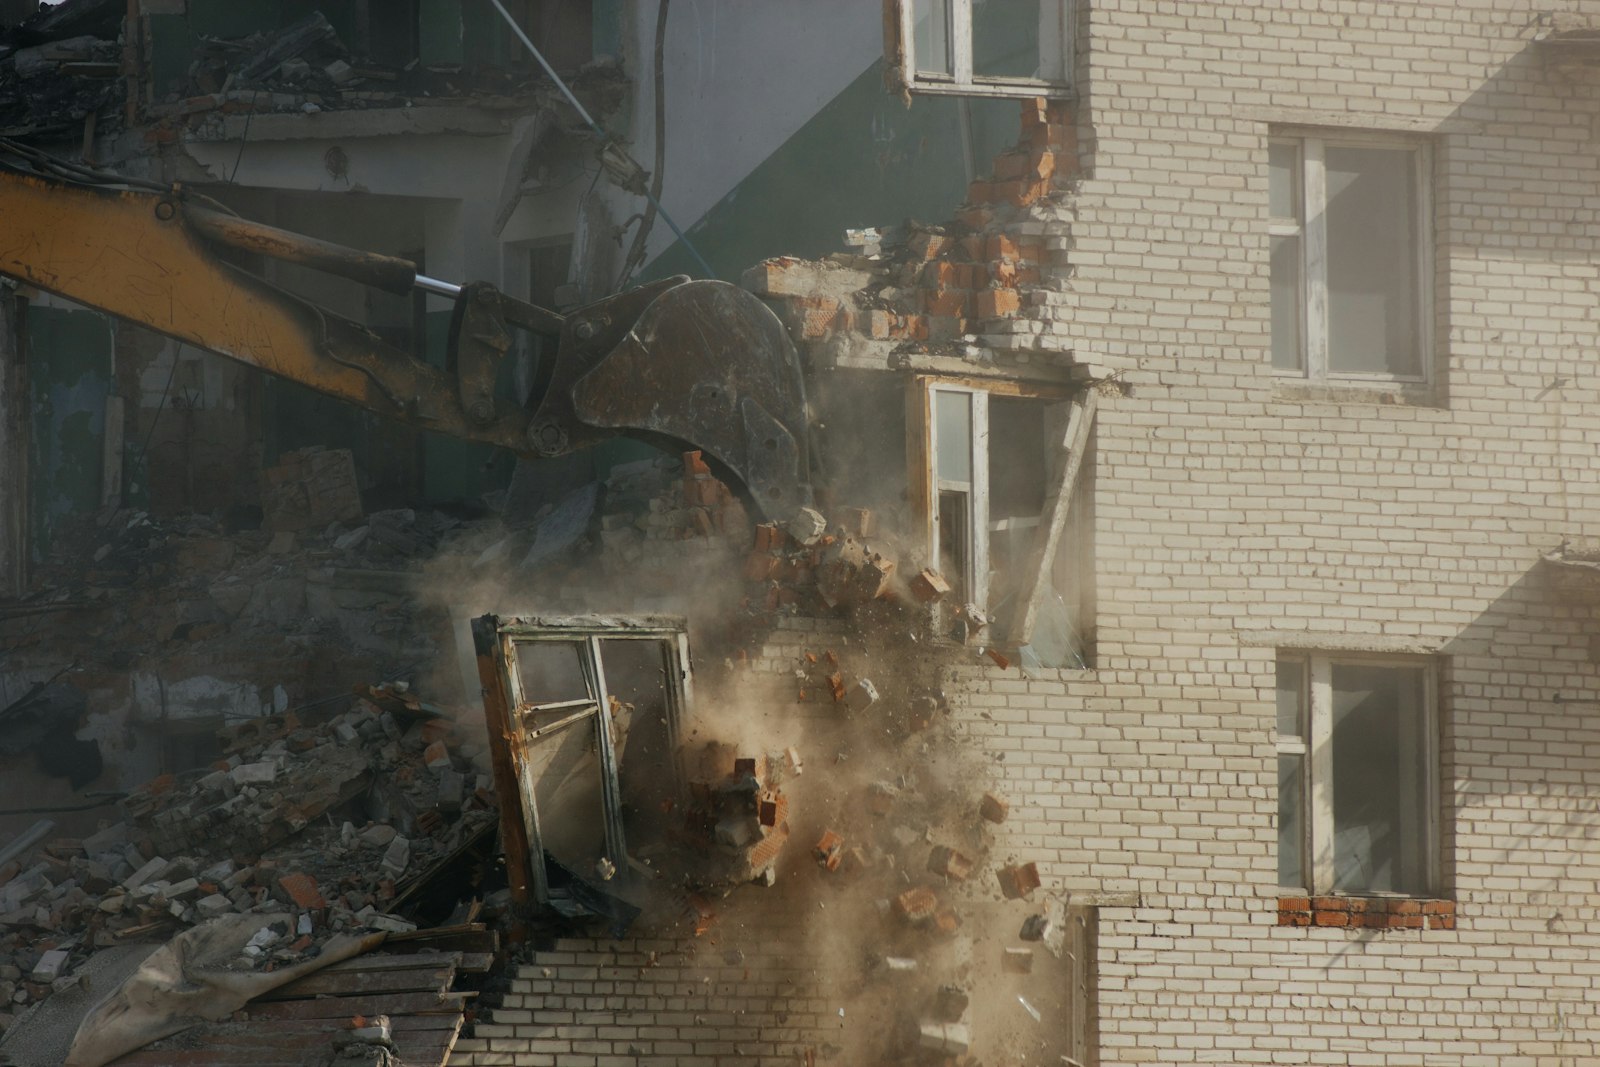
1238	513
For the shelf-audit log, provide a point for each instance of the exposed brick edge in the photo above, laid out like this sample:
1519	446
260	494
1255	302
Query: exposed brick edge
1369	913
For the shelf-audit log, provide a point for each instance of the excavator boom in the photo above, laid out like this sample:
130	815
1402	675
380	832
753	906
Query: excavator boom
687	364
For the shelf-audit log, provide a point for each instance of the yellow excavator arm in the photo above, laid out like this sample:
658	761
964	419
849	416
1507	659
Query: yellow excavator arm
686	364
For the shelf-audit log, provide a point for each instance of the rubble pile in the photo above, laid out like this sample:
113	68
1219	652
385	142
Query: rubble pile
307	68
334	823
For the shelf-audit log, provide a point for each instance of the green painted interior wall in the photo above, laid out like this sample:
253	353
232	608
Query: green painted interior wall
863	160
69	378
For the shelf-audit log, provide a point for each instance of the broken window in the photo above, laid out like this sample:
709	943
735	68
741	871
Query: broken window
1349	258
583	718
1356	774
992	452
983	47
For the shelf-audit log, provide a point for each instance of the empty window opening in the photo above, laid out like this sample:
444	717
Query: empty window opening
992	453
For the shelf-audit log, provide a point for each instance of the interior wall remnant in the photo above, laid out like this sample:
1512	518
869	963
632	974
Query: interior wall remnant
69	381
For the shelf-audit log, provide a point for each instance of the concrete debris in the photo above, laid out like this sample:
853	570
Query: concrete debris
1034	928
951	1039
861	696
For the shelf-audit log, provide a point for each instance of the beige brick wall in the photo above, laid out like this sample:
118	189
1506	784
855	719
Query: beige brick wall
1236	514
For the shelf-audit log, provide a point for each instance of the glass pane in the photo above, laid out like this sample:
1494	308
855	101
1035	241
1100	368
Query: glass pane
1287	353
1283	184
1291	697
552	674
1380	779
954	550
1372	262
1291	821
952	414
1019	454
931	36
647	775
1005	39
567	795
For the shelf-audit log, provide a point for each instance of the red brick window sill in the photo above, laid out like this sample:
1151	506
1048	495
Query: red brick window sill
1368	913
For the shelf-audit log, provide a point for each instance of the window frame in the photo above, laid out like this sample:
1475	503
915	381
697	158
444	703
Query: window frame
1314	745
925	486
962	81
513	727
1309	194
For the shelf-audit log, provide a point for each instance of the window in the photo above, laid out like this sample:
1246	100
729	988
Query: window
990	453
583	718
985	47
1356	775
1350	253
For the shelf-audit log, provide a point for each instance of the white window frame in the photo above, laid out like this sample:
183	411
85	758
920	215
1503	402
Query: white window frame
1311	196
1316	801
962	81
976	580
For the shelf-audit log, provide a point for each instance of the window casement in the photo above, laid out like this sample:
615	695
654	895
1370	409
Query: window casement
589	709
1357	774
1351	258
1019	48
985	450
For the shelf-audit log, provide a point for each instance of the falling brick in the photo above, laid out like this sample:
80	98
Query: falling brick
949	863
1018	881
829	850
994	808
917	905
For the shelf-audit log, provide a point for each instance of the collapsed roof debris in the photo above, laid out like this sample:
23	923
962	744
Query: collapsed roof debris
69	62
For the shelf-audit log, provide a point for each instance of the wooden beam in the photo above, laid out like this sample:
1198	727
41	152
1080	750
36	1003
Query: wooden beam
1058	502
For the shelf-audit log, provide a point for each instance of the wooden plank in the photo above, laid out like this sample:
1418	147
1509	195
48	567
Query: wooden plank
381	961
497	704
361	983
408	1004
1075	442
466	937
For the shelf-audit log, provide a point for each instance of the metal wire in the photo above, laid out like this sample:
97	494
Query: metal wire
595	126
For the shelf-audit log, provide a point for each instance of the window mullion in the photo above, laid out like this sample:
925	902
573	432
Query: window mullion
1321	808
961	40
980	497
1315	275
